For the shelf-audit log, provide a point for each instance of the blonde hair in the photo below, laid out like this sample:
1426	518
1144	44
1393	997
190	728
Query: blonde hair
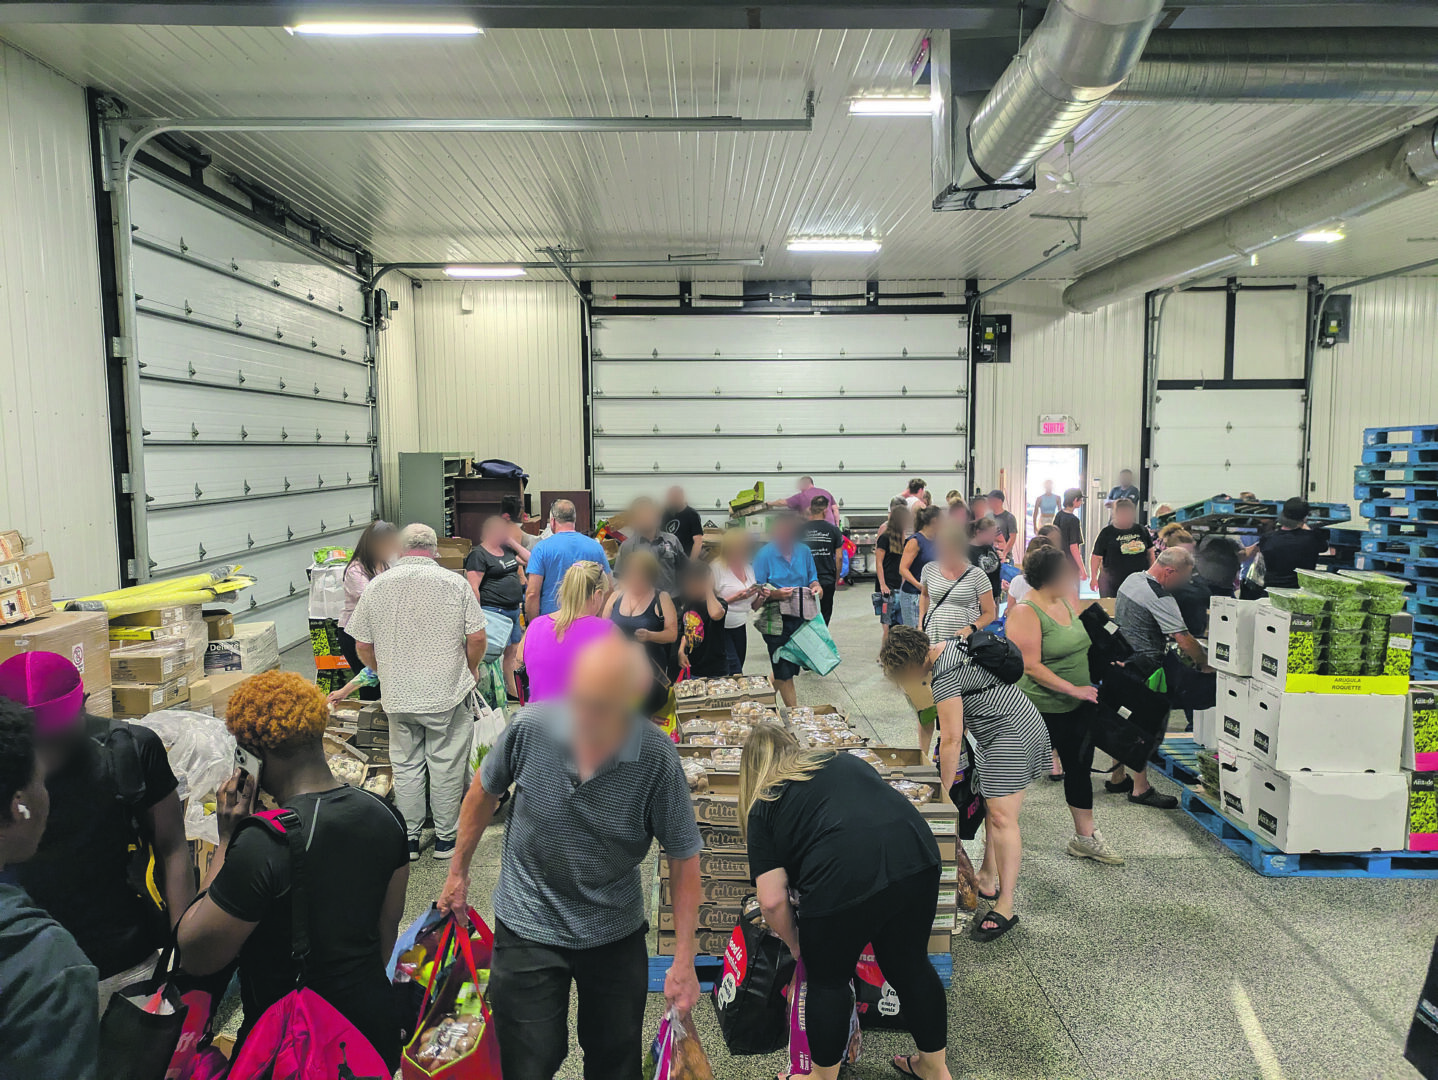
734	540
773	757
578	586
644	562
1174	533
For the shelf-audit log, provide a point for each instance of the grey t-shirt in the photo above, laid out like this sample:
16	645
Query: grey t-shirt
664	547
1147	614
570	872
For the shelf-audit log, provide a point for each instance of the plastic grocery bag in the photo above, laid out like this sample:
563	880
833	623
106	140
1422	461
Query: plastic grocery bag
801	1062
676	1053
202	757
327	591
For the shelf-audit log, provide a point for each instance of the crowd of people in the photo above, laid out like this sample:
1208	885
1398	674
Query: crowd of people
591	783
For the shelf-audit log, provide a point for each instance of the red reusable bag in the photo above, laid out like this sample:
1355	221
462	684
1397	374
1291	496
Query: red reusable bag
456	1038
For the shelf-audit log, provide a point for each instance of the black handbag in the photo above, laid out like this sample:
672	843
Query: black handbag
964	793
1107	645
749	995
136	1043
1129	720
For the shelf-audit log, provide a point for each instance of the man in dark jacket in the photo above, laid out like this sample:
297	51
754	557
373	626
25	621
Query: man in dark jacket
49	1019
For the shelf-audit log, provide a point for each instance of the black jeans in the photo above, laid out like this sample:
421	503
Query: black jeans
1072	736
826	602
784	670
897	920
736	645
351	655
529	993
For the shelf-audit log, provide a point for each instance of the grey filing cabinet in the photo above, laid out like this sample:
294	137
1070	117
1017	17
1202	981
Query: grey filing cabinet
426	489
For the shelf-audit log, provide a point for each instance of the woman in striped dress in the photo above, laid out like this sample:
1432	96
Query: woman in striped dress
1012	752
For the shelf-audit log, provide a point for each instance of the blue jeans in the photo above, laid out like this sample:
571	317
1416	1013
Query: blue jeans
909	608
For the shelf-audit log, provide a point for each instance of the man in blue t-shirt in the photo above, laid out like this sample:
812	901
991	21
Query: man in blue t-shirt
554	555
784	569
1124	489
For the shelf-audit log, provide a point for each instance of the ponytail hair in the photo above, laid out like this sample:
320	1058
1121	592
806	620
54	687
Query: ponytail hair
581	581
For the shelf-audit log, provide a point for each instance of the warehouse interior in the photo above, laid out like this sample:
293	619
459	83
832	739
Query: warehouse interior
249	276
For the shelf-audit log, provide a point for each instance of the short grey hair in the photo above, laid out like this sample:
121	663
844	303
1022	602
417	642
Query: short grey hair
563	510
1175	558
419	537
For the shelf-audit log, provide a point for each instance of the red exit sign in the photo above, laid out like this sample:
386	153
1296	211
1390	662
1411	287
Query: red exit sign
1054	425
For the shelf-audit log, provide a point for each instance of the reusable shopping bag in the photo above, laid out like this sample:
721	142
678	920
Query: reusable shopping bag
749	994
1129	719
142	1026
488	726
497	629
675	1053
801	1061
876	1002
456	1038
811	647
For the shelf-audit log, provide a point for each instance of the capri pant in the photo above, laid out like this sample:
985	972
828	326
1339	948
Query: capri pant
1072	736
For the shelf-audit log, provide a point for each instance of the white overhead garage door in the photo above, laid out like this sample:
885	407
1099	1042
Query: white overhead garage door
256	401
715	402
1211	442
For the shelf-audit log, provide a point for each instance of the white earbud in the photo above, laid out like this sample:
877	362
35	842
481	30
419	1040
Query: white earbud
22	810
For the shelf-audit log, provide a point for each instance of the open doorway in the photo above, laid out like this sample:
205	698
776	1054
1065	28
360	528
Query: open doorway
1050	468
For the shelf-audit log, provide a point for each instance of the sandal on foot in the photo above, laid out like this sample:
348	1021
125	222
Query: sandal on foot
907	1059
1055	777
1155	798
990	897
1001	926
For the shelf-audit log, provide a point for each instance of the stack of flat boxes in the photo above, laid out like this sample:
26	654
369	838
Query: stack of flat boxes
724	863
155	658
1308	762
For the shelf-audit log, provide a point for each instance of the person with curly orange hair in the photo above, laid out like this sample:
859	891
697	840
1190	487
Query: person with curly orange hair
356	863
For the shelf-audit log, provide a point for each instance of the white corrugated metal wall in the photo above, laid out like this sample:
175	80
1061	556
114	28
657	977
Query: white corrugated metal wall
56	480
1387	375
398	390
503	379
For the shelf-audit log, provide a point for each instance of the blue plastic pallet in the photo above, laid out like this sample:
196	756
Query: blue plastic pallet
1270	862
1409	512
1418	547
1428	590
1403	566
1240	513
1345	538
1413	492
1402	435
1177	758
1396	474
1402	528
1400	456
1423	605
709	969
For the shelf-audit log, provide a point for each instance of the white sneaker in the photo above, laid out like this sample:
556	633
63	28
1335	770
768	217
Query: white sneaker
1094	847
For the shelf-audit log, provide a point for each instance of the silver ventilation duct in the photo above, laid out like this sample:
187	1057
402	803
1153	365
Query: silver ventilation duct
1353	187
1355	66
986	149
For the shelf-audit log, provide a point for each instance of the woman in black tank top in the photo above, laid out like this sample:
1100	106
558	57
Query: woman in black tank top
645	613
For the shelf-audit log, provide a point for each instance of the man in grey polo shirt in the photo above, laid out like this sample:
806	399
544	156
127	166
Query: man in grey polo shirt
594	785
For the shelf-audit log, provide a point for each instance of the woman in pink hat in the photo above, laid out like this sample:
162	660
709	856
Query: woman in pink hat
112	804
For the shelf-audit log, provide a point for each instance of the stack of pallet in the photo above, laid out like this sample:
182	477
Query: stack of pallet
711	745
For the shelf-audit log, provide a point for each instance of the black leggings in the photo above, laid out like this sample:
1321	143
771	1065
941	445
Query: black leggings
1072	736
897	920
351	655
736	647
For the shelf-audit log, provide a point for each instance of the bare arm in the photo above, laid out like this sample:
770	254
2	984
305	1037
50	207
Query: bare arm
884	586
988	609
1022	627
773	891
716	609
911	552
476	579
923	605
392	910
1095	567
696	549
475	814
166	823
209	938
951	740
532	589
366	654
1078	561
671	621
1189	646
681	985
474	646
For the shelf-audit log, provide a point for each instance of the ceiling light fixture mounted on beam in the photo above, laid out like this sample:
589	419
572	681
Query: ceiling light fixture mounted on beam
384	29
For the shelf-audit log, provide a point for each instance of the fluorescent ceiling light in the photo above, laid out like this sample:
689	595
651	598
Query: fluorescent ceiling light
891	106
484	271
1320	236
378	29
836	245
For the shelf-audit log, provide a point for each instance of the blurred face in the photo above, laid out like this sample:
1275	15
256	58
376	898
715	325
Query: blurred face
1124	517
1065	581
22	833
495	530
607	682
1170	578
985	536
675	499
636	577
388	548
785	529
645	517
1125	478
1048	487
979	507
696	586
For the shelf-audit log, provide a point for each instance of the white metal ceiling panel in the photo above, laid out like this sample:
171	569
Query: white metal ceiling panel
1207	442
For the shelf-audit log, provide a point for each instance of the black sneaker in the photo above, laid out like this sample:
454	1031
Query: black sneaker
414	851
1118	789
443	849
1156	799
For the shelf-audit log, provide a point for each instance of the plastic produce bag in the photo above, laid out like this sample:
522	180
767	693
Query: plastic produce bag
801	1061
676	1053
327	591
202	757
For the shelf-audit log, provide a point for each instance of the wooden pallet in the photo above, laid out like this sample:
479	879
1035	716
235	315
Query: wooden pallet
710	968
1177	758
1267	860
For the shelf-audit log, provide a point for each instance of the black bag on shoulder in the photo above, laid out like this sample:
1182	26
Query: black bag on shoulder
1129	720
999	656
749	995
1107	645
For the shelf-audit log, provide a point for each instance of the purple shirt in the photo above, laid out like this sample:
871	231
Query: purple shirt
800	501
548	661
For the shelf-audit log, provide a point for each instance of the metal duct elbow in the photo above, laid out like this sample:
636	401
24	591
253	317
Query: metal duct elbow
1346	190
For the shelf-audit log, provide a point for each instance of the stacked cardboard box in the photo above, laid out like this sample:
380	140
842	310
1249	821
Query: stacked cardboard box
724	863
81	637
1308	761
251	648
161	660
24	581
1419	758
358	745
693	696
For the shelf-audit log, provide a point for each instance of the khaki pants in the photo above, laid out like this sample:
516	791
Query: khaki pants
436	745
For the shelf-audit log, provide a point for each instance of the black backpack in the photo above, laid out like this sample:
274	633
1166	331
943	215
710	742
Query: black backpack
999	656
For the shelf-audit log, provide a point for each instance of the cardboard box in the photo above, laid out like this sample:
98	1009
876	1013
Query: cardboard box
22	605
723	839
202	694
1311	811
252	649
707	943
219	625
222	685
371	716
100	705
1284	643
725	867
371	738
1339	733
733	893
25	570
141	699
453	550
1419	750
942	817
1422	811
161	616
149	662
1232	707
1205	727
1230	634
11	544
1235	783
717	810
721	917
80	636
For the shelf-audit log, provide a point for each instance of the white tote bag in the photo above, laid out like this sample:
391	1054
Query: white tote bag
489	725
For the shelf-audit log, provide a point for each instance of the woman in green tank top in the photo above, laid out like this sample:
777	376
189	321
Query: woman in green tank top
1055	647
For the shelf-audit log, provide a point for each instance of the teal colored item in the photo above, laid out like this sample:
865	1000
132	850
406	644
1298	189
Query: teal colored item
811	647
497	629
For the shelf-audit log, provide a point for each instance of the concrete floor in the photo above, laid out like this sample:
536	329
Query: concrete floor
1182	963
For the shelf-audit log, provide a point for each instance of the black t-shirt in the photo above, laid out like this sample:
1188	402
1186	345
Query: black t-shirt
1123	551
1287	550
355	842
841	836
500	587
823	539
1070	533
892	554
704	638
80	873
684	525
1007	523
986	558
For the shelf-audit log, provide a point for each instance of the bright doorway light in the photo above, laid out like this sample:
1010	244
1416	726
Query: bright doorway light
484	271
891	106
834	245
379	29
1320	236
